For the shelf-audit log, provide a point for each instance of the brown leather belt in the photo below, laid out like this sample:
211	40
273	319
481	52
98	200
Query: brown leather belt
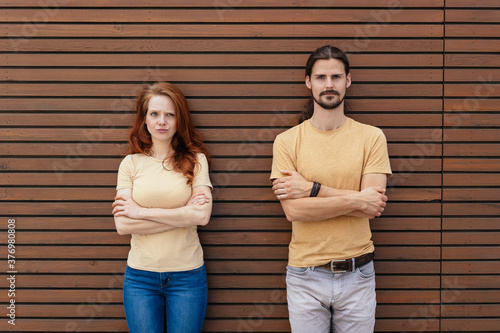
348	265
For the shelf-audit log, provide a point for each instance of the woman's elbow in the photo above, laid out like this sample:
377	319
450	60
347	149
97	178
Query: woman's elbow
120	227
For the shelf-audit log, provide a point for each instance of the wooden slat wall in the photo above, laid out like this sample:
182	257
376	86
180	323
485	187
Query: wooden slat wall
426	72
470	267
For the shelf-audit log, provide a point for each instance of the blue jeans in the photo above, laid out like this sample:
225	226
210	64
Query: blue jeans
320	301
159	302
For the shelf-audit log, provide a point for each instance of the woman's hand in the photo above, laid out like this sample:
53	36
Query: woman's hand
124	205
198	199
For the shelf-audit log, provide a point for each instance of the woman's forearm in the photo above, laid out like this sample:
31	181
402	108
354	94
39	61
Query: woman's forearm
127	226
190	215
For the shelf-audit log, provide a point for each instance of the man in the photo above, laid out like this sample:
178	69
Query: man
329	173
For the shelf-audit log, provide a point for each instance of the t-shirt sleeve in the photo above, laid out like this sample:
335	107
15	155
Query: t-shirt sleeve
378	156
201	176
282	158
125	173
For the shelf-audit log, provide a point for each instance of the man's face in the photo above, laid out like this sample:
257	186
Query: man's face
328	83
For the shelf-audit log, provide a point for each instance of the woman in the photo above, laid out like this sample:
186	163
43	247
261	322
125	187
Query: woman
163	194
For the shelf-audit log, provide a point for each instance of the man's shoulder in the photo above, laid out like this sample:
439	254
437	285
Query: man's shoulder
290	133
365	128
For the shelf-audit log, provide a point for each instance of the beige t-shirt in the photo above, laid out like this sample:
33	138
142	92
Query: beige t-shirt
154	187
337	159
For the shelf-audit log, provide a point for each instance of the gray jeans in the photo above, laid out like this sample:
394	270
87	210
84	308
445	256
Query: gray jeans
322	302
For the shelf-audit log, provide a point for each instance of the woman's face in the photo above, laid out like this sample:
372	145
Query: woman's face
161	119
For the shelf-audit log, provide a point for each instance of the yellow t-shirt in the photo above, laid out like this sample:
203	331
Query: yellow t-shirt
337	159
154	187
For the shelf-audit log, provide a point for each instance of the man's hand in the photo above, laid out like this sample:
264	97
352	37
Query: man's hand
126	206
292	186
373	201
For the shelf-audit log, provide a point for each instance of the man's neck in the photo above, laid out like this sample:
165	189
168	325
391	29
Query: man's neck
328	120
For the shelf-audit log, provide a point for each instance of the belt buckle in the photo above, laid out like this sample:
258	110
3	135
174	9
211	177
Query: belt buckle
332	265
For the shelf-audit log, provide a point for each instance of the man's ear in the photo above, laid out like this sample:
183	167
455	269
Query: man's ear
348	80
308	82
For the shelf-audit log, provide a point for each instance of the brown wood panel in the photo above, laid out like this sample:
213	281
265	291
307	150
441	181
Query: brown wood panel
469	105
213	15
105	122
475	209
227	30
209	75
473	120
155	61
483	252
471	45
470	311
469	238
471	3
465	223
472	74
472	60
469	325
471	179
468	194
216	89
472	15
473	30
122	45
471	150
277	105
231	5
471	267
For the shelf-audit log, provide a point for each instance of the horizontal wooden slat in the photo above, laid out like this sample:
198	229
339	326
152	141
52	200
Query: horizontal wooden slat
109	121
471	310
231	5
123	45
187	60
471	179
476	120
469	325
214	15
471	165
478	223
471	267
472	30
471	3
469	89
469	238
464	149
275	105
469	253
215	89
226	30
468	194
471	45
209	75
462	105
471	60
209	134
474	209
221	209
472	74
469	15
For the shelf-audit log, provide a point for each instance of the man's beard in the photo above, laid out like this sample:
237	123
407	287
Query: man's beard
328	105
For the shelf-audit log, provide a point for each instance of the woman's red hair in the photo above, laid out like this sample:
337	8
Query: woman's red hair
187	141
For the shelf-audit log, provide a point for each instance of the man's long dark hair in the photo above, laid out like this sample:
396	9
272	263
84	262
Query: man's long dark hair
323	53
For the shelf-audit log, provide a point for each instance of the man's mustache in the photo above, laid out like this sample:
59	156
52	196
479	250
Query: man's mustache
329	92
